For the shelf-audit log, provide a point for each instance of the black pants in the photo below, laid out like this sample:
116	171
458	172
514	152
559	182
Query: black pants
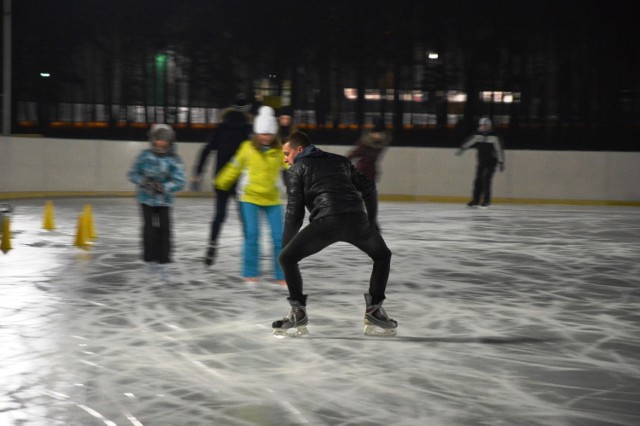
156	234
482	182
351	228
221	201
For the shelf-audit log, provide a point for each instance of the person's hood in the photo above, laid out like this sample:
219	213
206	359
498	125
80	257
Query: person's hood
310	151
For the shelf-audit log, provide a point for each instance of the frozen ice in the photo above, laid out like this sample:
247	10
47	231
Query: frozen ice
519	314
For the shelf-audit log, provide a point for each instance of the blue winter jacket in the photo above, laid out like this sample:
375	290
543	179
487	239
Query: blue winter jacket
166	169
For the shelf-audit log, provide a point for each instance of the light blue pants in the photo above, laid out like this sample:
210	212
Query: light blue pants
251	252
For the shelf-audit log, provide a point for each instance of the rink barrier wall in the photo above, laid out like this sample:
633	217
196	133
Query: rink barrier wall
35	167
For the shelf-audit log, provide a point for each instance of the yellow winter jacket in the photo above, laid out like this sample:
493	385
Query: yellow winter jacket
258	172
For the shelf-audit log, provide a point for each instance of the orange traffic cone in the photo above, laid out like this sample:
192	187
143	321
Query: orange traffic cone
91	227
49	221
82	239
5	245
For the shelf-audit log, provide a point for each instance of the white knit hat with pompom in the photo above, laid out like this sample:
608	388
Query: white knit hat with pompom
265	121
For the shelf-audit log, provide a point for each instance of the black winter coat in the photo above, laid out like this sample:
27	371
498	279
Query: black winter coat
326	184
234	129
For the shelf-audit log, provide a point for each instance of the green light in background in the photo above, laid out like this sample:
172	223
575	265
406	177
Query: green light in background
161	72
161	60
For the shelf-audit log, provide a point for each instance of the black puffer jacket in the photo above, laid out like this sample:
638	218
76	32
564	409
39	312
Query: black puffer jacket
326	184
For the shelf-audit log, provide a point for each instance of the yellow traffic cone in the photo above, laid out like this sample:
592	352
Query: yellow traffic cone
5	246
86	225
81	233
49	220
91	227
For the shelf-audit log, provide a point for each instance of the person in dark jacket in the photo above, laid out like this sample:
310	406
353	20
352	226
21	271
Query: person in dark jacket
343	206
234	129
286	126
490	155
370	148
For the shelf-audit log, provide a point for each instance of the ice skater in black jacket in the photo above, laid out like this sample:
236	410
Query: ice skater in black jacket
234	129
343	206
490	155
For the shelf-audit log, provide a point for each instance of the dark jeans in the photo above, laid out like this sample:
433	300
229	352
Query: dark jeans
351	228
221	201
156	234
482	182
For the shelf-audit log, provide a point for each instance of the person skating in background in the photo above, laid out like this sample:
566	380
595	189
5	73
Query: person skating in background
286	125
490	155
158	173
369	149
343	206
234	128
257	168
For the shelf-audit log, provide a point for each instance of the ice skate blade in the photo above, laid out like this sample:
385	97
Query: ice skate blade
291	332
374	330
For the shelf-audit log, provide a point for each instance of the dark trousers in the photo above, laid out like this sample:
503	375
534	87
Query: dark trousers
351	228
156	234
221	201
482	182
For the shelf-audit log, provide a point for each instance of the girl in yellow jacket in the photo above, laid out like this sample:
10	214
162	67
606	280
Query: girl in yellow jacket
257	167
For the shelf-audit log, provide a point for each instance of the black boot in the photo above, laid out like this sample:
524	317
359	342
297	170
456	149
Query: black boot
210	257
376	320
295	323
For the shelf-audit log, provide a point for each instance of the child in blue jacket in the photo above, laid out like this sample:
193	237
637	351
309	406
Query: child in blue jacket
158	173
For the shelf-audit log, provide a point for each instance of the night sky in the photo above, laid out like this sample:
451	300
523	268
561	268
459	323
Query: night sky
285	25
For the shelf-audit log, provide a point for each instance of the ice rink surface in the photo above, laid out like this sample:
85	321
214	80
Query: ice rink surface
515	315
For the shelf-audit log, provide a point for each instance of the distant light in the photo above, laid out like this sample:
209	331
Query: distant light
350	93
45	75
161	59
433	55
456	96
